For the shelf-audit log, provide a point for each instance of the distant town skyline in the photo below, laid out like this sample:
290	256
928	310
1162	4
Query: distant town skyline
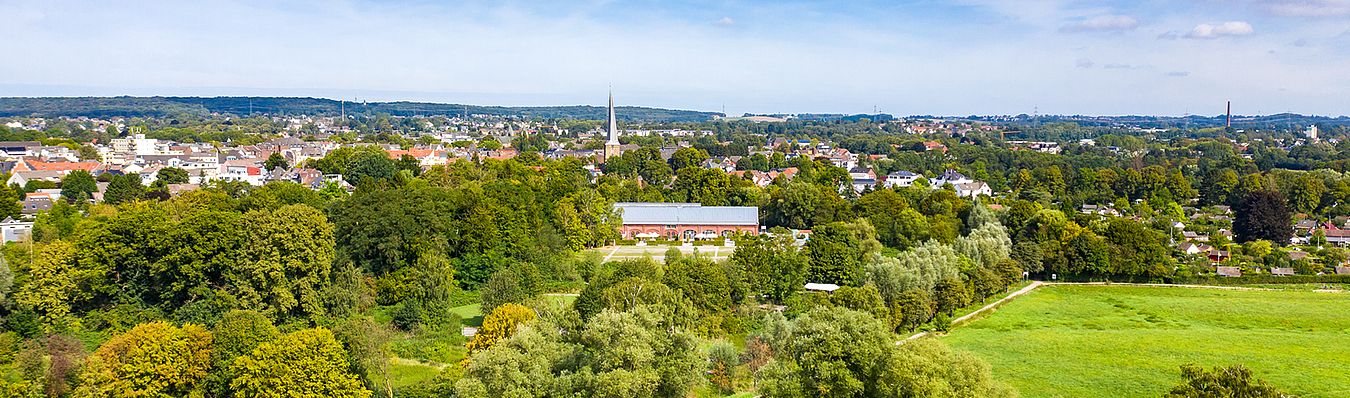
952	57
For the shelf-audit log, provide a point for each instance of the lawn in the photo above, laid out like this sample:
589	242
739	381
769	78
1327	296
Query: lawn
1126	341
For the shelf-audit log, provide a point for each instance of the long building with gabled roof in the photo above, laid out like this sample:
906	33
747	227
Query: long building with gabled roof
685	221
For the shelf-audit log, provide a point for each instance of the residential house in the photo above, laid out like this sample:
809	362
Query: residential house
759	178
973	189
1194	248
949	177
22	178
1104	210
1338	237
1217	255
902	179
934	146
12	230
1231	272
860	173
36	202
15	149
726	164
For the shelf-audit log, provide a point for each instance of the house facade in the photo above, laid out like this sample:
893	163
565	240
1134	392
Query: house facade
685	221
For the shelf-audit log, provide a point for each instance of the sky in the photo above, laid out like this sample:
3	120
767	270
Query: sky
921	57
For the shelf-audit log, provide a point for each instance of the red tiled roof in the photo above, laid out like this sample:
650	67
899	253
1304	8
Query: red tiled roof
39	165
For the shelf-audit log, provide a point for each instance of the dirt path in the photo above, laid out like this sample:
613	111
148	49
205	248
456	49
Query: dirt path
990	306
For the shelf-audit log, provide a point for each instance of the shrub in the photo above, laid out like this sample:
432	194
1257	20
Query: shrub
408	315
722	361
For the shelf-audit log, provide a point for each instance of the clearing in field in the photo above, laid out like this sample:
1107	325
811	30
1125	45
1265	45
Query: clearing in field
658	252
1128	341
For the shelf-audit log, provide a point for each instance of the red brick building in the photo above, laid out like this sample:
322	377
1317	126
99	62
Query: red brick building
685	221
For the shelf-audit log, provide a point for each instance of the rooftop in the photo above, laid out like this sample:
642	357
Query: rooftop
641	213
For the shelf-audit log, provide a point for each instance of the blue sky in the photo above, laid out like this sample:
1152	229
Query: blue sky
943	57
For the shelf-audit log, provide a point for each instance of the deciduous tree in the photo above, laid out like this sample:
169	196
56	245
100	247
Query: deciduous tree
308	363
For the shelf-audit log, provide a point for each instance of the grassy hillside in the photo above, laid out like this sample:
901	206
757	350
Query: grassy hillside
1121	341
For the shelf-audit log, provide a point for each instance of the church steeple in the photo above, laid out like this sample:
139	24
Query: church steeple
613	123
612	147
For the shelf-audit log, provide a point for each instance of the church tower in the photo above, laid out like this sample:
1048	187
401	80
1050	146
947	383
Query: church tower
612	146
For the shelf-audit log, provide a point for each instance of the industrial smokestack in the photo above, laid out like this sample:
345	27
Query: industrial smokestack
1228	122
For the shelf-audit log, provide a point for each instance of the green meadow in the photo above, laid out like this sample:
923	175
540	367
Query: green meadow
1127	341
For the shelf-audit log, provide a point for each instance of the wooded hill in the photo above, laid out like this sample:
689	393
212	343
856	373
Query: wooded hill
168	106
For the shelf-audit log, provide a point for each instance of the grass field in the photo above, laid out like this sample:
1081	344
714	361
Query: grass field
1126	341
658	252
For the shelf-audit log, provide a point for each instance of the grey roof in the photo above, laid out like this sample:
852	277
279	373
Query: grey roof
686	213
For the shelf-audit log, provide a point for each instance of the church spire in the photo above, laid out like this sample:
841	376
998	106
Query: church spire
613	123
612	147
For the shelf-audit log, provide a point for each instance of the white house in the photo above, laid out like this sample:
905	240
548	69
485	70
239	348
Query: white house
12	230
973	189
902	179
949	177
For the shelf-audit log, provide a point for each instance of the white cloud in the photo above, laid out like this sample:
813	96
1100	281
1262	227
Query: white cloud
1177	74
1309	8
1230	28
1103	23
1084	63
725	21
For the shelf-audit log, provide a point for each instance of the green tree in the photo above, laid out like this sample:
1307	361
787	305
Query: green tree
78	186
123	189
634	353
9	202
371	166
772	263
723	361
51	283
308	363
865	299
920	268
837	252
951	294
499	325
368	353
704	282
1222	382
928	368
710	187
237	334
687	157
845	353
153	359
1263	215
1305	195
987	245
172	175
505	286
285	261
276	161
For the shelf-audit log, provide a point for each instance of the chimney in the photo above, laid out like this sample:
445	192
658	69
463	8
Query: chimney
1228	122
